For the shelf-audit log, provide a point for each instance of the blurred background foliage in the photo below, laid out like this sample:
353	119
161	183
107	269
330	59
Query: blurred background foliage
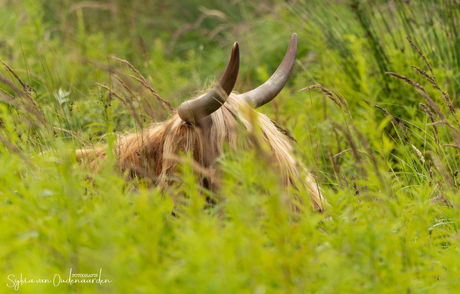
183	46
392	224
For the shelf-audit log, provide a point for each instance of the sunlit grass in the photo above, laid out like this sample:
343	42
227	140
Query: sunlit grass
391	226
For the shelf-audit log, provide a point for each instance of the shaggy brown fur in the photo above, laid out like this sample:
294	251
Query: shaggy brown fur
153	152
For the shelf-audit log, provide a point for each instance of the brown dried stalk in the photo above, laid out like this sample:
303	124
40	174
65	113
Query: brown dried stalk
424	73
317	155
451	145
352	145
15	149
422	91
342	152
10	100
455	133
131	108
442	168
92	5
432	80
336	167
125	86
27	107
153	92
419	154
430	172
404	131
27	93
150	109
31	74
387	114
423	56
344	103
354	185
144	49
345	178
284	132
144	82
10	84
75	135
452	110
327	93
433	119
443	123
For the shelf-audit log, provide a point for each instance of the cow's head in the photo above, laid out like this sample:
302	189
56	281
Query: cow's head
202	126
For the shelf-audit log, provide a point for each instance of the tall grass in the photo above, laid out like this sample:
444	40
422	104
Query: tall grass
381	137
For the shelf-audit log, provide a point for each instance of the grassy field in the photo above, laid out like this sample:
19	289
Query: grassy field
381	135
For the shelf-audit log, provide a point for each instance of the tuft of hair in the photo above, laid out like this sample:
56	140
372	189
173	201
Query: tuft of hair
153	152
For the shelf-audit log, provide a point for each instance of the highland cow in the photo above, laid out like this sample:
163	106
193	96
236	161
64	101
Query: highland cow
202	127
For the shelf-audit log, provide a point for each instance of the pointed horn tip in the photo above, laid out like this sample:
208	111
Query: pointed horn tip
236	48
193	110
271	88
294	39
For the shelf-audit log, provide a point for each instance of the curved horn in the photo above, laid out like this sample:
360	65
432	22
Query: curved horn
194	110
268	91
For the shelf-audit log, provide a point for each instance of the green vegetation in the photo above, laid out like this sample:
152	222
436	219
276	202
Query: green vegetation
391	226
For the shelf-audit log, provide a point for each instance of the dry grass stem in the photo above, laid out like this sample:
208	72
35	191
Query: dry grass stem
330	95
419	154
404	131
422	91
423	56
144	50
147	86
130	108
355	151
126	87
432	80
24	86
344	103
15	149
443	123
387	114
26	91
144	82
91	5
317	155
149	108
10	100
451	145
336	168
31	109
433	119
425	74
354	185
442	168
284	131
32	74
345	178
342	152
10	84
75	135
430	172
